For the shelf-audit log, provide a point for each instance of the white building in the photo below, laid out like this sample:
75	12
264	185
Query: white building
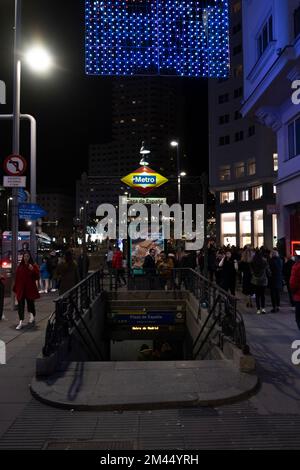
242	157
272	64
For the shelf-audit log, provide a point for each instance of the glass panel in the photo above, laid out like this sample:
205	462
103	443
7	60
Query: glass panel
265	37
258	228
271	28
297	132
245	229
291	138
228	228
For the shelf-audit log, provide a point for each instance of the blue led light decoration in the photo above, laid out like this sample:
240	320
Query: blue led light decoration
157	37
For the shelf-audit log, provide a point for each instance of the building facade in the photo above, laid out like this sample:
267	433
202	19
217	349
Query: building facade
243	157
144	109
58	223
272	68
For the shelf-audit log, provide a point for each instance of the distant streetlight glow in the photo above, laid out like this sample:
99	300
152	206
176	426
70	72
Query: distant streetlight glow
174	143
38	59
183	173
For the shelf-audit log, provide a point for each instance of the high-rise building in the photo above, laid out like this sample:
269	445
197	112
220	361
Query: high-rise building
243	157
144	109
271	82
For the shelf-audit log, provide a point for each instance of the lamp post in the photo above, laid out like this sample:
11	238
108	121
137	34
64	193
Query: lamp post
39	61
180	174
9	199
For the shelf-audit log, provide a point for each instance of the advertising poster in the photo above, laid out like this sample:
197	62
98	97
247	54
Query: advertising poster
140	248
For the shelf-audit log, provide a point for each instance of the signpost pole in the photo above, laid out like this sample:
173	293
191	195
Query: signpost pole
16	136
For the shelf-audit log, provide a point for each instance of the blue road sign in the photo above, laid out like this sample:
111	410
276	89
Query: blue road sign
22	195
31	211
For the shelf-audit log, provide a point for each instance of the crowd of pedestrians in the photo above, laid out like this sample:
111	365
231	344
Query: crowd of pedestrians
54	273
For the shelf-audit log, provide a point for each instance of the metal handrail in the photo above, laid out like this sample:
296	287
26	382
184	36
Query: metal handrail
67	313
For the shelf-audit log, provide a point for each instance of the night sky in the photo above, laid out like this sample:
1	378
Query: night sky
73	110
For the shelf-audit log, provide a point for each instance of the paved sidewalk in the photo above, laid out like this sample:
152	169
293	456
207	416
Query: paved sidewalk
268	420
22	348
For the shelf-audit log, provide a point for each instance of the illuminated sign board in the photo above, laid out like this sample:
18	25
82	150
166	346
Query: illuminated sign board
157	37
144	180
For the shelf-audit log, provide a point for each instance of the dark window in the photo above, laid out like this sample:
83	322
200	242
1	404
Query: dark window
265	37
239	136
225	140
223	98
237	49
297	21
237	115
224	119
238	92
251	131
237	28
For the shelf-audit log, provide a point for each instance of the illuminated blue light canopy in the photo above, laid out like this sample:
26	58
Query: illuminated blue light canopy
157	37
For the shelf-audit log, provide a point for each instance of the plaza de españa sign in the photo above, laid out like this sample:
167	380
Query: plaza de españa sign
144	180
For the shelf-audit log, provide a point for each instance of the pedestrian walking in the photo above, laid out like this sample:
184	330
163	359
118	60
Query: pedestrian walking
44	277
25	288
244	267
149	268
52	263
287	272
83	263
275	280
295	288
117	266
67	274
229	270
259	279
2	291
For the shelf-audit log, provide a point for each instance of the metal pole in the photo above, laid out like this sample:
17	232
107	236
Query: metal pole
178	175
204	184
33	147
16	135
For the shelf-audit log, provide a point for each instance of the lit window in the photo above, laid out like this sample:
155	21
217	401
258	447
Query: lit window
225	173
275	161
257	192
226	197
244	195
251	167
245	229
265	36
274	189
240	170
228	229
259	228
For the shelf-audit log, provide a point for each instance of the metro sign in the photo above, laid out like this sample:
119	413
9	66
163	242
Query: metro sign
144	180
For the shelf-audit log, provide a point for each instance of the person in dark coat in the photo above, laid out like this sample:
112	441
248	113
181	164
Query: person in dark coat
229	269
259	269
149	268
275	280
83	263
67	273
211	261
244	267
287	272
25	287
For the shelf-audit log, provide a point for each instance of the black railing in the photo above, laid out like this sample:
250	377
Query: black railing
68	316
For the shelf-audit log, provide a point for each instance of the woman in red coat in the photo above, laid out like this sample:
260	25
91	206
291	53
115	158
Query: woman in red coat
25	287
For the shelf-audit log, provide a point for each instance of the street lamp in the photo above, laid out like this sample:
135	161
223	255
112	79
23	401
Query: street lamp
8	201
38	59
143	153
35	59
175	144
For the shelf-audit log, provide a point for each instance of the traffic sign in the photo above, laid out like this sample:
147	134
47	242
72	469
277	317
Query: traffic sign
15	165
14	181
22	195
31	211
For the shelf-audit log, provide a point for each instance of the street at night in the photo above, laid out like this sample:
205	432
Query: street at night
149	228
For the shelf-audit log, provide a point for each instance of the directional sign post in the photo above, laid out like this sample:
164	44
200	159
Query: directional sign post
31	211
